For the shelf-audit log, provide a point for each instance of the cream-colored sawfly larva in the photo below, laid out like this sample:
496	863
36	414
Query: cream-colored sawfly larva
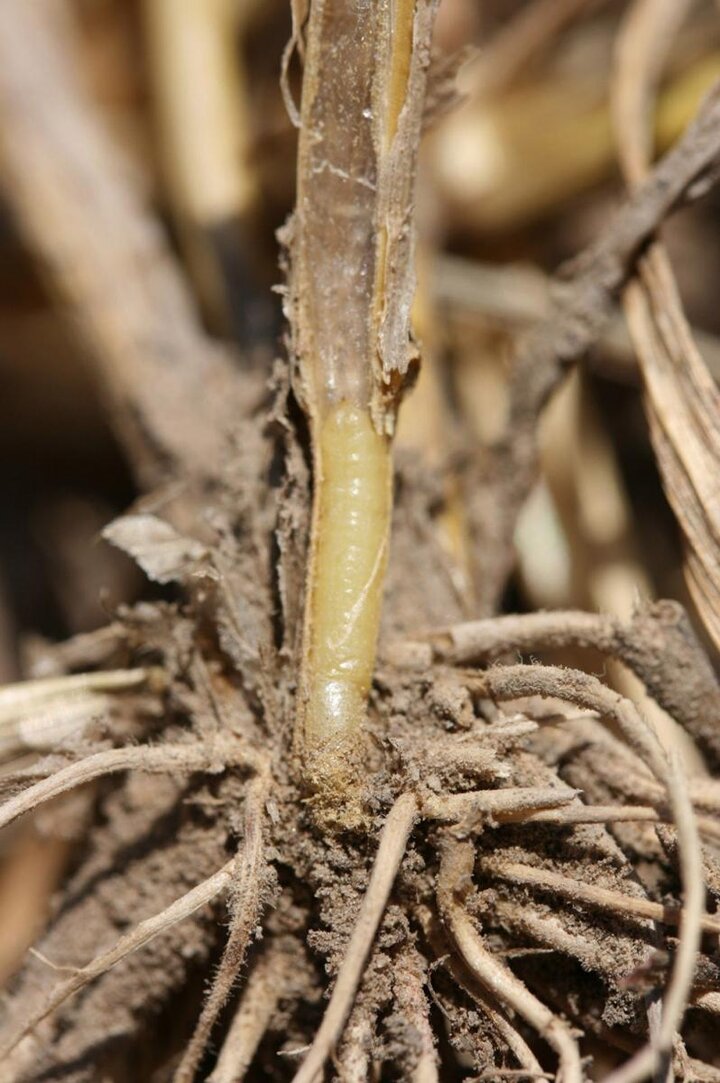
348	570
345	584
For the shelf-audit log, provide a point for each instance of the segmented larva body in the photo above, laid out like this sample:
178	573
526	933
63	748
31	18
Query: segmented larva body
346	575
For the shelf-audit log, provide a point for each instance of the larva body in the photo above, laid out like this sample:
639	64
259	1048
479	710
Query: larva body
346	574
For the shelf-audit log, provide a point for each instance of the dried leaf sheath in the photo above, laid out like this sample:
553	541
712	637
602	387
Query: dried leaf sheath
682	398
351	289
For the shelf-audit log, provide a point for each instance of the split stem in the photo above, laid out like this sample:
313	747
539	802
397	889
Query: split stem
351	288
